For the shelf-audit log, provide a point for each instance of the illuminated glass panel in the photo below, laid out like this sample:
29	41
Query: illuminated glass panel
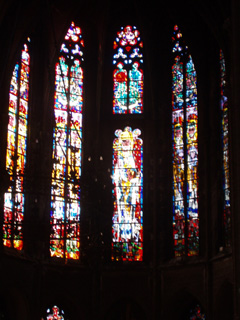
128	73
196	313
14	198
67	146
226	183
54	314
185	150
127	229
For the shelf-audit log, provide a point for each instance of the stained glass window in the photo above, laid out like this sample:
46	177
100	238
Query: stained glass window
226	183
67	146
54	314
128	73
127	176
14	198
185	149
196	313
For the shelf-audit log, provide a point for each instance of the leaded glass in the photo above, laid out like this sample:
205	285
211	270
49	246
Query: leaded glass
127	229
54	314
67	146
14	198
185	150
128	73
226	183
196	313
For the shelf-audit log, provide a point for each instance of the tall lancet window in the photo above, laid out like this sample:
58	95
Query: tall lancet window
226	183
185	150
127	166
128	74
14	198
67	148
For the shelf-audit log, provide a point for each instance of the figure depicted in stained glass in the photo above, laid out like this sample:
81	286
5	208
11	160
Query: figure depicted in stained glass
127	179
128	76
14	198
177	72
226	182
178	165
178	175
67	146
120	87
191	80
135	88
192	158
185	150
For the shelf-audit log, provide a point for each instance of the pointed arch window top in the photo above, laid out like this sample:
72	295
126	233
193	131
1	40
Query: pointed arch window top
128	73
73	44
177	35
128	37
197	313
54	314
179	47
